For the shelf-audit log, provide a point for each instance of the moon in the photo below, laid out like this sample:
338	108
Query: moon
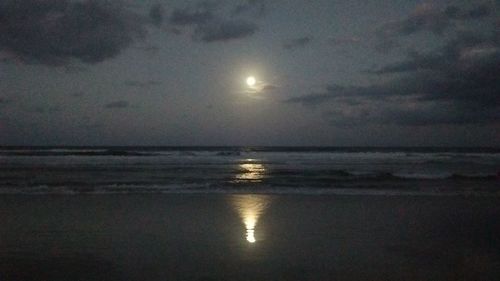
251	81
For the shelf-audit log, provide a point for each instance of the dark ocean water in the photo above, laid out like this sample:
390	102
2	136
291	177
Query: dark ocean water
284	170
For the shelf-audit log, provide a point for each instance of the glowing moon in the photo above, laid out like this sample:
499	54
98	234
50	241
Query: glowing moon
251	81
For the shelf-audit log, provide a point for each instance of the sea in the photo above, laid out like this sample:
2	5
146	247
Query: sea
428	171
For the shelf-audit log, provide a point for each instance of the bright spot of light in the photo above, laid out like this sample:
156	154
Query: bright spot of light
251	81
251	235
250	208
250	172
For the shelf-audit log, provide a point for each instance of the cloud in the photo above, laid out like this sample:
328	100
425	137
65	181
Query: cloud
72	69
454	12
345	41
252	7
156	14
53	32
4	101
142	84
424	17
200	14
117	104
210	26
44	109
297	43
260	90
410	115
148	49
224	30
456	84
427	18
269	87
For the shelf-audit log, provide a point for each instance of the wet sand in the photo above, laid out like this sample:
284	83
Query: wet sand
248	237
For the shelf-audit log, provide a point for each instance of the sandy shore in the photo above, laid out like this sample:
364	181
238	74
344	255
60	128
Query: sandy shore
248	237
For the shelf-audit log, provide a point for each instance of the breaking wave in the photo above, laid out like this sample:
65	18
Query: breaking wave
278	170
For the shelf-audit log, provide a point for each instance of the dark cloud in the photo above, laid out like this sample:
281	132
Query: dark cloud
92	126
345	41
200	14
297	43
455	84
423	115
175	31
149	49
156	14
209	27
4	101
44	109
142	84
252	7
5	58
436	115
53	32
117	104
260	90
224	30
385	44
427	17
454	12
74	69
314	98
269	87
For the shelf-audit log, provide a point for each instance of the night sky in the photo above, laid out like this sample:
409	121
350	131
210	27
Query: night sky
341	72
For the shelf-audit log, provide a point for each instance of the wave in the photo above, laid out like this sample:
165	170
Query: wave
474	177
339	175
71	152
109	152
446	176
89	177
337	181
201	189
140	170
408	152
228	153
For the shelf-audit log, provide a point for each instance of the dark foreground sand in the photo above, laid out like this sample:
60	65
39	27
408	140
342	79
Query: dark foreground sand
205	237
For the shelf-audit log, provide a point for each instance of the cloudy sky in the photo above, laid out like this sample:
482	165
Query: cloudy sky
160	72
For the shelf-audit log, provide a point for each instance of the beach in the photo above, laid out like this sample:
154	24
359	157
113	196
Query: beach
249	140
248	237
